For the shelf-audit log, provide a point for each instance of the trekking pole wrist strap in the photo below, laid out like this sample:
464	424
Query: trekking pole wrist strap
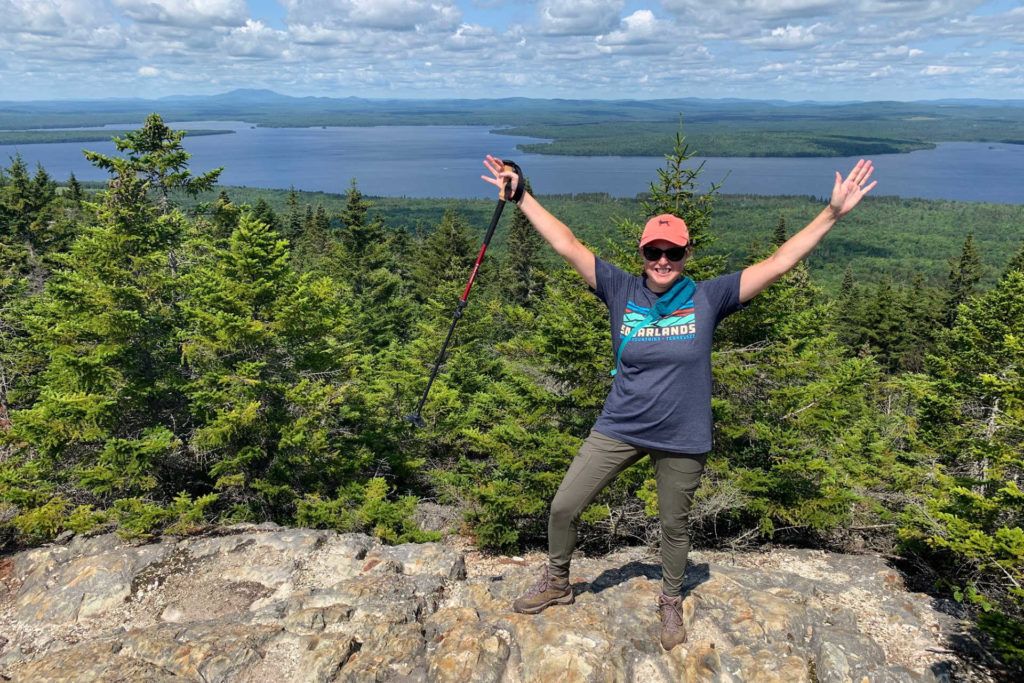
517	194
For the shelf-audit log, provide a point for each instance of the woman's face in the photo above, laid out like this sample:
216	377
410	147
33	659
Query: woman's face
663	272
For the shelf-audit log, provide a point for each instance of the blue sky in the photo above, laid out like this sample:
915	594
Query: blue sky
605	49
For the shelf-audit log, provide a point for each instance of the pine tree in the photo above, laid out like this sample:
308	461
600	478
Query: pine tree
675	192
155	154
972	427
964	274
261	343
75	193
262	212
1016	263
524	281
779	237
444	258
294	220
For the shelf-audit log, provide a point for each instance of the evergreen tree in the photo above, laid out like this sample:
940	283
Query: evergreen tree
107	401
261	344
364	242
972	427
445	258
1016	263
964	274
675	192
779	236
524	280
262	213
225	216
75	193
294	220
155	155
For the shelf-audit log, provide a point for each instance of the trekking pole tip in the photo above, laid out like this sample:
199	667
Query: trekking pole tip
416	420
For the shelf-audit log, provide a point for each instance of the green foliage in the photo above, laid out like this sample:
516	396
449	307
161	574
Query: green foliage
964	274
366	507
971	519
155	156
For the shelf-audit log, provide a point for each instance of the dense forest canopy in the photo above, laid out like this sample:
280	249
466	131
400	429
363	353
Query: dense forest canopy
169	364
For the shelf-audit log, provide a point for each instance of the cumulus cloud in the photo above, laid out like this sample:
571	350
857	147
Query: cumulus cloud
51	17
254	40
639	29
565	48
185	12
391	15
788	38
762	9
579	17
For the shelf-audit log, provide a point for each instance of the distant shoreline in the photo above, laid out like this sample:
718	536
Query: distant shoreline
45	137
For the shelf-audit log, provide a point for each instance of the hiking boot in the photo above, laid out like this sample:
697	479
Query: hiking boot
550	590
673	631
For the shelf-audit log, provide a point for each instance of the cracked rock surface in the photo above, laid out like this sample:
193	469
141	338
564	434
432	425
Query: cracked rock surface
265	603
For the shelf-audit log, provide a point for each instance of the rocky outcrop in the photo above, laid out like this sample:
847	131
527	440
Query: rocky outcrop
262	603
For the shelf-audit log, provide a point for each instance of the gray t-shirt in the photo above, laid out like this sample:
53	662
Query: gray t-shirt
661	396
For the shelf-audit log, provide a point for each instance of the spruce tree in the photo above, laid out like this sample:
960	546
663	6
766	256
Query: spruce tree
445	258
972	427
107	405
524	279
964	274
779	236
75	193
675	192
261	344
1016	263
155	155
262	212
293	220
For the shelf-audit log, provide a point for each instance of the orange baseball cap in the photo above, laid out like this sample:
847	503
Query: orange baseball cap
666	227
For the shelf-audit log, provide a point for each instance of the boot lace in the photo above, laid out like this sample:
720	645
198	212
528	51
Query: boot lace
541	586
671	612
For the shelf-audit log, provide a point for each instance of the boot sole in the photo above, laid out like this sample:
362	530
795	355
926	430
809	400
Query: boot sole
564	600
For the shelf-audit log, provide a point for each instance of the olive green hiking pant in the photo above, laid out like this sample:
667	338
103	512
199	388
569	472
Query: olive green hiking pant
598	462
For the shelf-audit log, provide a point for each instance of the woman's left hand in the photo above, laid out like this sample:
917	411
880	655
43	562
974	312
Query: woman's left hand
846	194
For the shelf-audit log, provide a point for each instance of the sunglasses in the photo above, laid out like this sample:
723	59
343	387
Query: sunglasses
672	253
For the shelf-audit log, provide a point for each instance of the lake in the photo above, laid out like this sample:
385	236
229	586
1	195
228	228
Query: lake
445	161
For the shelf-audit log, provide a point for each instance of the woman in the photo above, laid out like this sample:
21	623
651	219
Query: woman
660	401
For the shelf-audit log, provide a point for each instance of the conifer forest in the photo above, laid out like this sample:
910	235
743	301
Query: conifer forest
175	356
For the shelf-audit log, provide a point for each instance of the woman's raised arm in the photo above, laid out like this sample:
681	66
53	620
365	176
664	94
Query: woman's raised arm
846	194
554	231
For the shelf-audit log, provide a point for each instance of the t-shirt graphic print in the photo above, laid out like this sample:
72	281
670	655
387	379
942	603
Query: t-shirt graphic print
678	325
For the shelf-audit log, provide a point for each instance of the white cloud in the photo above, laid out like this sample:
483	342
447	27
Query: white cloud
198	13
471	37
942	70
254	39
390	15
788	37
748	48
640	32
579	17
762	9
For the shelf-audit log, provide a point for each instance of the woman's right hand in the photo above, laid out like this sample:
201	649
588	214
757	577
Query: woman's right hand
499	176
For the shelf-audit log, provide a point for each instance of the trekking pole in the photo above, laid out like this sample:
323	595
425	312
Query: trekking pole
506	192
